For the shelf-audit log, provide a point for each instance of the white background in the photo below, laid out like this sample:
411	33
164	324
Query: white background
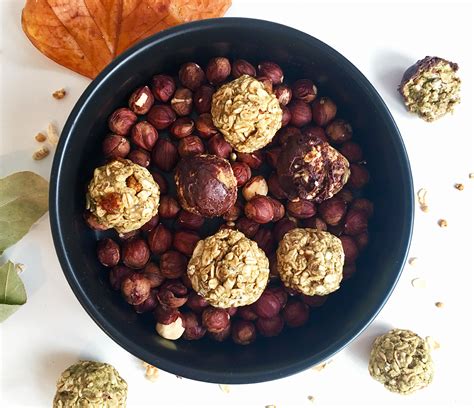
52	331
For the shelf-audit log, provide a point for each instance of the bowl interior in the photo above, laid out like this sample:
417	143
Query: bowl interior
347	311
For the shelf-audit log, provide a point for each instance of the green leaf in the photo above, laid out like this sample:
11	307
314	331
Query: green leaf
23	200
12	291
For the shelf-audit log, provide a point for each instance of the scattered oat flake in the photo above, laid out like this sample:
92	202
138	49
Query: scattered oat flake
40	137
311	398
459	186
321	367
151	372
270	406
418	283
53	135
439	304
41	153
471	175
224	388
442	223
413	261
434	345
422	199
59	94
19	267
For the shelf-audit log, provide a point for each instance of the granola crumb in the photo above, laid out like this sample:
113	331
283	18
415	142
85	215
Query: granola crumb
41	153
413	261
53	135
418	283
59	94
40	137
434	345
439	305
471	176
422	200
311	398
270	406
224	388
459	186
442	223
321	367
151	372
19	267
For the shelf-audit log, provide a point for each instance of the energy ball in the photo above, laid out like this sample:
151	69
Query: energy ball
228	269
246	114
206	185
90	384
431	87
122	195
310	261
401	361
309	169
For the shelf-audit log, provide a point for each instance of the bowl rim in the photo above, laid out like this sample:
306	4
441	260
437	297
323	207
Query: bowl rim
228	377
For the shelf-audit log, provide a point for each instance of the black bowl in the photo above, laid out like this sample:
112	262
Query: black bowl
347	312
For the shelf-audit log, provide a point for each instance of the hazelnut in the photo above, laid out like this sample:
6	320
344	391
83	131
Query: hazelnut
150	224
186	281
182	102
315	223
314	301
280	293
352	152
234	212
217	70
268	305
332	211
339	131
266	82
247	312
196	302
282	227
222	335
152	272
218	146
182	127
336	230
191	75
242	173
272	155
363	204
193	330
163	87
315	132
324	111
140	157
215	320
356	222
348	271
272	71
115	146
141	101
168	208
203	98
359	176
172	294
92	222
247	227
190	146
205	126
351	252
189	220
148	305
135	288
259	209
255	186
300	113
161	181
295	313
305	90
270	327
185	241
242	67
165	315
287	133
165	155
283	93
160	239
121	121
362	240
144	135
118	274
285	116
161	116
274	187
243	332
173	264
253	160
172	331
265	241
232	310
125	236
278	209
345	194
135	253
301	209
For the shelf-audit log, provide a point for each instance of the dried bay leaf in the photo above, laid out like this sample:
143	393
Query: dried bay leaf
23	200
12	291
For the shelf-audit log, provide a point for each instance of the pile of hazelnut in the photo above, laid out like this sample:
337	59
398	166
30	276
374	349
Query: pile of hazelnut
309	175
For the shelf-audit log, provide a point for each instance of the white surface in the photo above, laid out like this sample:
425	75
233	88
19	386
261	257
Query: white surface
52	330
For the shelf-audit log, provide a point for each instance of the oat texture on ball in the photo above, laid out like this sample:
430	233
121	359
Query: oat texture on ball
246	114
228	269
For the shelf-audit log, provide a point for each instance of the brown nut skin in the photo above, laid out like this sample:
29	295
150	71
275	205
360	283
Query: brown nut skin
140	157
161	116
242	172
305	90
268	305
169	207
129	235
182	127
286	133
362	240
314	132
274	187
359	176
270	327
118	274
271	156
247	313
166	315
217	70
144	135
160	239
243	332
150	224
254	187
278	209
266	82
141	101
314	301
196	302
295	313
203	99
218	146
285	116
247	227
191	146
265	241
348	271
193	329
363	204
215	320
253	160
234	212
351	252
242	67
282	227
300	113
135	289
153	274
121	121
346	195
148	305
191	75
272	71
161	181
115	146
182	102
315	223
339	131
185	241
222	335
189	220
173	264
283	93
163	87
332	211
259	209
352	152
165	155
355	222
324	111
280	293
301	209
135	253
206	185
205	126
172	294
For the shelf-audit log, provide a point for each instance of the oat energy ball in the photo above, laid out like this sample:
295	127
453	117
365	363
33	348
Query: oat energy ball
228	269
247	115
90	384
310	169
123	195
431	88
401	361
310	261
